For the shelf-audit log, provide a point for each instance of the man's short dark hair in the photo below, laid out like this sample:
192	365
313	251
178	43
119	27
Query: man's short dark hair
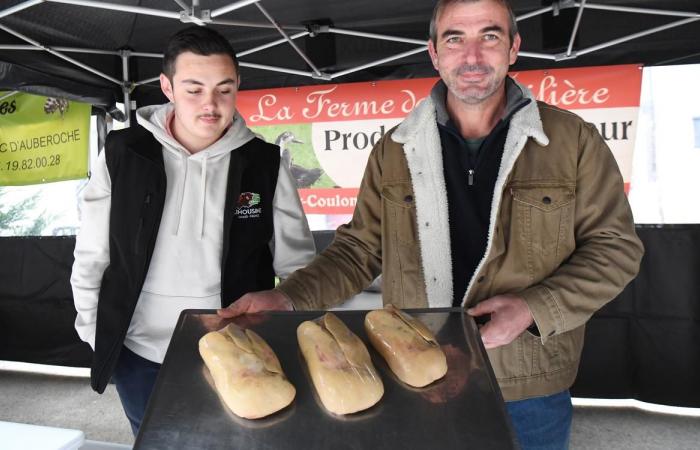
198	40
442	4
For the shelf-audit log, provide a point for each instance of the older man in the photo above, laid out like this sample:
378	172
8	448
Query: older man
487	199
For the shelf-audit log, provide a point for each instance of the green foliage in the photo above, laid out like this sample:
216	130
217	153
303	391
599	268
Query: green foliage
14	220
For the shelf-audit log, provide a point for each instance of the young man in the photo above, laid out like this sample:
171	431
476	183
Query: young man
187	209
487	199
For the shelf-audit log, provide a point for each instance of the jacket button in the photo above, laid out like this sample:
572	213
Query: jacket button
408	198
480	279
546	200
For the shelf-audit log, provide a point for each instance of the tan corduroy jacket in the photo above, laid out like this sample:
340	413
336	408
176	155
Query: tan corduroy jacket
561	236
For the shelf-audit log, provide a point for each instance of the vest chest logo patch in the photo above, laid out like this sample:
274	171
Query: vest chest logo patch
246	206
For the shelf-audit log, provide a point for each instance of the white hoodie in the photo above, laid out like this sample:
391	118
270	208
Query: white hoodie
185	269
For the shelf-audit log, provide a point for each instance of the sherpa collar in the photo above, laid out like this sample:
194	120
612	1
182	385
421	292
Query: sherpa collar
421	144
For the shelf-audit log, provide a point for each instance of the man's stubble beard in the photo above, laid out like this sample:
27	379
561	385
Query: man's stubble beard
481	94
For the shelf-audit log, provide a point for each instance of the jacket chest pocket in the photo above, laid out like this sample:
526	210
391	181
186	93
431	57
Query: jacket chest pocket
399	210
544	220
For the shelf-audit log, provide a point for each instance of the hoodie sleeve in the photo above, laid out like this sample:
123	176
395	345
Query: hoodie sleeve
292	243
91	249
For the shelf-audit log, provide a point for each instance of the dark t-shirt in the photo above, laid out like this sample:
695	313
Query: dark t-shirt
471	168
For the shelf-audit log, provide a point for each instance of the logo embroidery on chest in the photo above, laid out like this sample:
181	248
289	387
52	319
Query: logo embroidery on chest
246	206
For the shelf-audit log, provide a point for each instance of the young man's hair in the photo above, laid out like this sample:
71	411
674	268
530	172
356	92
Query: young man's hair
198	40
442	4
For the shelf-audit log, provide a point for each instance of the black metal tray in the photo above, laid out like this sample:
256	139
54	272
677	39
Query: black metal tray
463	410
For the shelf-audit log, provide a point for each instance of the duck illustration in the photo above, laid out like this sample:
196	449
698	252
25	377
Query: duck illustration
303	176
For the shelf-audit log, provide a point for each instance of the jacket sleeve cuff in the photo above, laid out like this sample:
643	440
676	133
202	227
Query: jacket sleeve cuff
279	291
295	294
544	310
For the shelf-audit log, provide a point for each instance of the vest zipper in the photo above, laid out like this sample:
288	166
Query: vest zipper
139	230
470	182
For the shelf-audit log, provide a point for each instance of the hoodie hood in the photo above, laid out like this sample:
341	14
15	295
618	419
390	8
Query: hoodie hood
154	118
188	174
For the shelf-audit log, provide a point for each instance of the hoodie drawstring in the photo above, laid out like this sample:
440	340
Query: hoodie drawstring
181	194
202	196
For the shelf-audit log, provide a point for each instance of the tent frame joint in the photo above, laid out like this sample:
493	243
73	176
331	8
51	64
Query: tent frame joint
559	5
196	15
565	56
321	76
315	29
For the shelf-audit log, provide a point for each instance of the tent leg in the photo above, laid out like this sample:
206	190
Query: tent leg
126	86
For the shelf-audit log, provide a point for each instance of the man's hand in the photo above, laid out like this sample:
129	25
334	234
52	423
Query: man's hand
510	316
253	302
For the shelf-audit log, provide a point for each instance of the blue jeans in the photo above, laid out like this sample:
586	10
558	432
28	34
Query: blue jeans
134	378
542	423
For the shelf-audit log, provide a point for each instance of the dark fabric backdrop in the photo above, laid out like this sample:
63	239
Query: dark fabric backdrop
36	302
643	345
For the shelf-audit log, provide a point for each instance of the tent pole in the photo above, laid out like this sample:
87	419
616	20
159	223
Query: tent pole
233	6
630	9
126	86
581	7
537	12
271	44
201	17
241	23
60	49
146	81
182	5
242	63
378	62
59	54
147	55
20	7
123	8
537	55
636	35
277	69
383	37
317	72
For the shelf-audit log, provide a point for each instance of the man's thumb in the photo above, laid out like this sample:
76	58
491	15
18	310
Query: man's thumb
480	309
236	308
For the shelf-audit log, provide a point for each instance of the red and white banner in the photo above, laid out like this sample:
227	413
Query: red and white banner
606	96
326	132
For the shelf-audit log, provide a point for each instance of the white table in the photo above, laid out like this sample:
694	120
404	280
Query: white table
20	436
